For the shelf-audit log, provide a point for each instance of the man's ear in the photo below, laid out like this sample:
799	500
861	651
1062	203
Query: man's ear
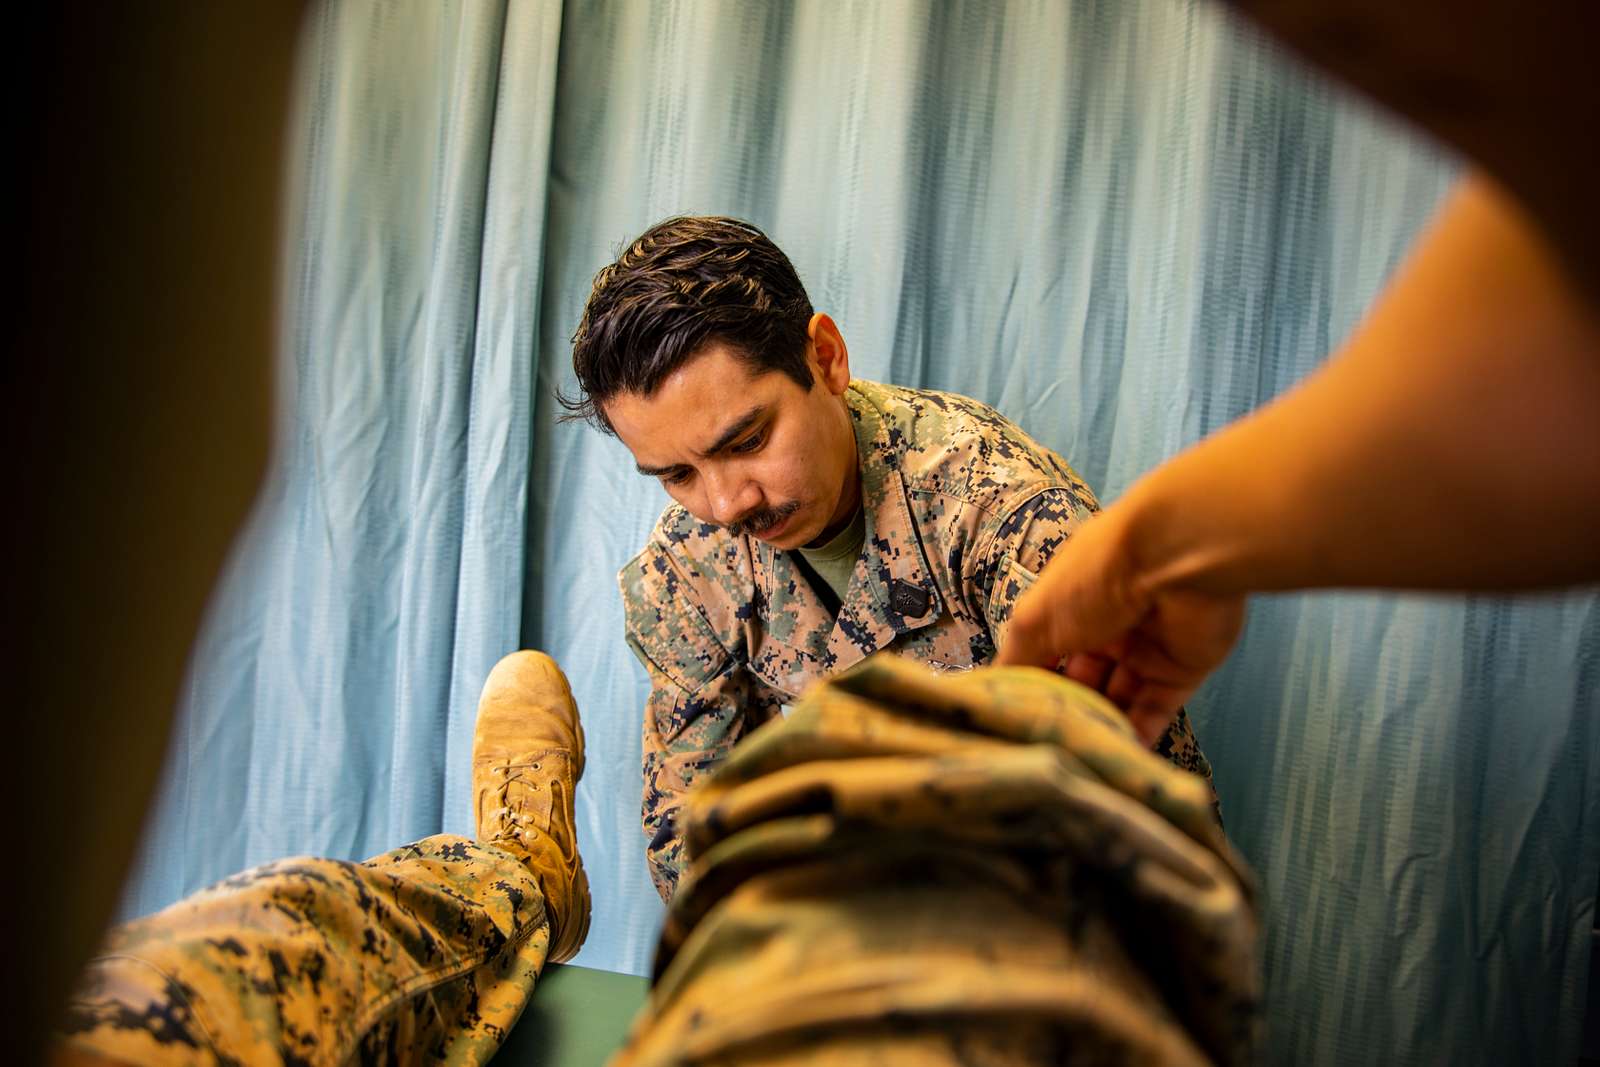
831	359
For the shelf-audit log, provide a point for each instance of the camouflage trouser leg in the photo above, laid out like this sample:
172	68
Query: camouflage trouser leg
424	954
976	869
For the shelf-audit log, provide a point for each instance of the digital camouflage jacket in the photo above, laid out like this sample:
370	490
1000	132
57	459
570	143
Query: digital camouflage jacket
962	510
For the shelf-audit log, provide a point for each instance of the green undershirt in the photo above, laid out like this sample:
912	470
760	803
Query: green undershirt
835	561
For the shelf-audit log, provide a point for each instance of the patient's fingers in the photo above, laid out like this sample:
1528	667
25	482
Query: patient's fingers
1090	669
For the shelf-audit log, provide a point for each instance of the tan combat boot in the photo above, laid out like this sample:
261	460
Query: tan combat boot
527	757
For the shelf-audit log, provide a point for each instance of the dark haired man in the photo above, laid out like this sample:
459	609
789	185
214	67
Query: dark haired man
816	519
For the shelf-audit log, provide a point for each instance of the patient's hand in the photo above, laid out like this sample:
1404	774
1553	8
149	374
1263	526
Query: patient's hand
1091	617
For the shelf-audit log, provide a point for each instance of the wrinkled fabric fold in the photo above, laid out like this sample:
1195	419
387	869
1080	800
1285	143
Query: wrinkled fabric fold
986	867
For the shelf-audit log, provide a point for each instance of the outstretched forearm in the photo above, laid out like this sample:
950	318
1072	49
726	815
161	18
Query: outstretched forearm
1453	443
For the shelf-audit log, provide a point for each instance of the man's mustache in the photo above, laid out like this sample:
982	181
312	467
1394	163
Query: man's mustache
762	519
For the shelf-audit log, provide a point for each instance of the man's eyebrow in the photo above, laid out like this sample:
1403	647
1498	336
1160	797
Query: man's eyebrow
728	437
734	432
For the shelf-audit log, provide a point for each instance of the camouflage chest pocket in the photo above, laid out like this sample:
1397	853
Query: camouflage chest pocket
676	641
1011	580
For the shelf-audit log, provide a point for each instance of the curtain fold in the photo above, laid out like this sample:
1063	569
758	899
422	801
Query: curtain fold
1122	223
330	701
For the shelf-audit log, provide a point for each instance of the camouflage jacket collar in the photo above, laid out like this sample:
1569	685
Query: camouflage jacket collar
892	591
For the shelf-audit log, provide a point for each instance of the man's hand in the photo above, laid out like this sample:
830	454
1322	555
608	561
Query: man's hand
1094	617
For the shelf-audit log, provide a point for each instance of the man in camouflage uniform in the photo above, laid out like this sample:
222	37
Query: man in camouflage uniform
430	952
700	349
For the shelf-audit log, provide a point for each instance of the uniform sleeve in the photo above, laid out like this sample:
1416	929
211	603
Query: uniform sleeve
1014	546
687	734
700	704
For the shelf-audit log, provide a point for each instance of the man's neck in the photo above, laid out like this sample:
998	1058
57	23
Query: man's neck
849	504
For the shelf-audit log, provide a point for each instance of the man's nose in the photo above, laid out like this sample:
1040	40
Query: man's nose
731	497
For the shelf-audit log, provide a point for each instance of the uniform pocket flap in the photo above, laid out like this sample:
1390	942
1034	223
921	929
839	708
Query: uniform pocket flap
666	629
1011	580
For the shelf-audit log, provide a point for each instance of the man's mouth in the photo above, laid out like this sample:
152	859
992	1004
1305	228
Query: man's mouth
766	521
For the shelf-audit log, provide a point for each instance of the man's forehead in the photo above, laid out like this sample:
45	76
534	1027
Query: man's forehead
696	405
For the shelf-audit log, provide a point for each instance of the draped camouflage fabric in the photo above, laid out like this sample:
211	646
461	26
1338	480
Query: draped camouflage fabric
427	953
962	510
984	868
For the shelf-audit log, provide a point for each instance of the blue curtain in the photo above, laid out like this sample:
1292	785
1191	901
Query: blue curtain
1122	222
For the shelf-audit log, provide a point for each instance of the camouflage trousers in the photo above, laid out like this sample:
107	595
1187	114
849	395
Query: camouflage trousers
984	868
424	954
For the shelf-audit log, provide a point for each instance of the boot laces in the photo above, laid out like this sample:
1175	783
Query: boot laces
511	819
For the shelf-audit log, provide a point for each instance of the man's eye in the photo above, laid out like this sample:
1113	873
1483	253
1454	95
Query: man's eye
749	444
675	478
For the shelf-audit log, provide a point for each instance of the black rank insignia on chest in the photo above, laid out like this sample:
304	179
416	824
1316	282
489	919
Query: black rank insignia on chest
909	601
